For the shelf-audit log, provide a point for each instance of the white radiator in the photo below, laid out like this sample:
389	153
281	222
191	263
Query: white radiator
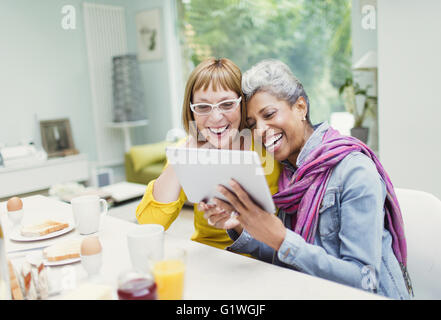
105	30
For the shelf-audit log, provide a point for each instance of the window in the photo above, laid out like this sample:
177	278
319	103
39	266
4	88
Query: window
313	37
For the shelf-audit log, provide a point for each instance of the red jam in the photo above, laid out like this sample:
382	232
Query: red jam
137	289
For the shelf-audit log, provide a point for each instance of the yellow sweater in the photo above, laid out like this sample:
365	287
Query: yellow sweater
151	211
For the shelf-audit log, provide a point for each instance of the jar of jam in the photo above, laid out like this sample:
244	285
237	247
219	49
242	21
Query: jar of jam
133	285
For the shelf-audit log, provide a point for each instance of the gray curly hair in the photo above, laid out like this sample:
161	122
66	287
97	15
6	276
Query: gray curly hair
275	77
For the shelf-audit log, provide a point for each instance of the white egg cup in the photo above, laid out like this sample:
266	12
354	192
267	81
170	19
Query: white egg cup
16	217
92	263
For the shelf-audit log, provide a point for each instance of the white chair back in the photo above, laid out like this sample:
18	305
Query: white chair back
422	226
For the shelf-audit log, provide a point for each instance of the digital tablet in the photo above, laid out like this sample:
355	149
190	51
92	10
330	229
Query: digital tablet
200	171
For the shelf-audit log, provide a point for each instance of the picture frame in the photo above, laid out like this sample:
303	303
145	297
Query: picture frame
56	138
149	35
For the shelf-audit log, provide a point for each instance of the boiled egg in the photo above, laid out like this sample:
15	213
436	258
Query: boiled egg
14	204
90	246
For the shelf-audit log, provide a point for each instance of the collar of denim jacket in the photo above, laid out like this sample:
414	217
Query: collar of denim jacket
314	140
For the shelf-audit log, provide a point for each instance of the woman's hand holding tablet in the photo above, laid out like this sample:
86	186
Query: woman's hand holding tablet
220	214
260	224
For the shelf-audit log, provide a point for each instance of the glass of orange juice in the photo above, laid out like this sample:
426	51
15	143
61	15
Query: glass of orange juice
169	274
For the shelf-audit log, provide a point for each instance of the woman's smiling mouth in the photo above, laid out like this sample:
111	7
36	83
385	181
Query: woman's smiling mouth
273	143
218	130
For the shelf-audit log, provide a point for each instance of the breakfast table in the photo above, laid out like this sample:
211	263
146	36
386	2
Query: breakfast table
211	273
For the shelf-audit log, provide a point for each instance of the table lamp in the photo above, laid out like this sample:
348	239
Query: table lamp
128	93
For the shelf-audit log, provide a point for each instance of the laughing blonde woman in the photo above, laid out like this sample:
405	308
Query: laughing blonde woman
213	110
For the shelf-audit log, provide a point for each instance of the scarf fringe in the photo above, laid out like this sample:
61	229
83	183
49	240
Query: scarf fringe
407	280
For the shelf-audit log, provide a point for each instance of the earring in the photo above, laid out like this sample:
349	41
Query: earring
304	118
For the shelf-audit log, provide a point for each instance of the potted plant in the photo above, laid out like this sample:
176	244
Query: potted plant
353	97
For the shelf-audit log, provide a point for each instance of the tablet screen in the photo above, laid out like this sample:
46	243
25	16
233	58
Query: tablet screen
200	171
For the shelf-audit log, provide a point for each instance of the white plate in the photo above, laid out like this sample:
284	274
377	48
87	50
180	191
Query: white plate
17	236
60	262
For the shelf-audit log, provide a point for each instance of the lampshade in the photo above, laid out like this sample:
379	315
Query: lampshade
367	62
128	93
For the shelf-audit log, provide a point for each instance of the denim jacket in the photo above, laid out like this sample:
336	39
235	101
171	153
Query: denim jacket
351	245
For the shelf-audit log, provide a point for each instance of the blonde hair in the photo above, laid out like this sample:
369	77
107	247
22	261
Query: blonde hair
221	74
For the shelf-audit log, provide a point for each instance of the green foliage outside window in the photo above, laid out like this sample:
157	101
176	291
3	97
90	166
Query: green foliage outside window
312	36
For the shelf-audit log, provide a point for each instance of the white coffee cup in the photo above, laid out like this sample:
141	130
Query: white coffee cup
87	211
146	244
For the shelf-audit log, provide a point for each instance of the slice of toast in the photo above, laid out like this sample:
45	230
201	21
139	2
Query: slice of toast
29	279
67	249
16	292
42	229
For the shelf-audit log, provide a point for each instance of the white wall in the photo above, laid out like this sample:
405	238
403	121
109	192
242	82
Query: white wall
44	72
364	40
409	83
162	85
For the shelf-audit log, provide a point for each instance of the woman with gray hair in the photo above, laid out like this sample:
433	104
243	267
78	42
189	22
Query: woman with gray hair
338	216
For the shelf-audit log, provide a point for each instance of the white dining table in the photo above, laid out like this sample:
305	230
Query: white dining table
211	273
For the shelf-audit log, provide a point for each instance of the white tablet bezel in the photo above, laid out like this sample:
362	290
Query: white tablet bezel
200	171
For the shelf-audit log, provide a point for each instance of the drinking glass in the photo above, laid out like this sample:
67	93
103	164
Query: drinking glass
145	243
169	274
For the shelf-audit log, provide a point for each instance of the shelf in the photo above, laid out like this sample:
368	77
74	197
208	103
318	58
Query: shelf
125	126
128	124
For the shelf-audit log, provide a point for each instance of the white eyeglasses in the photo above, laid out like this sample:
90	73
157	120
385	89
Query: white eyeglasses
223	106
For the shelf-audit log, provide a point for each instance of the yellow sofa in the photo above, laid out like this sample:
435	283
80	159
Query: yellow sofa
144	163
